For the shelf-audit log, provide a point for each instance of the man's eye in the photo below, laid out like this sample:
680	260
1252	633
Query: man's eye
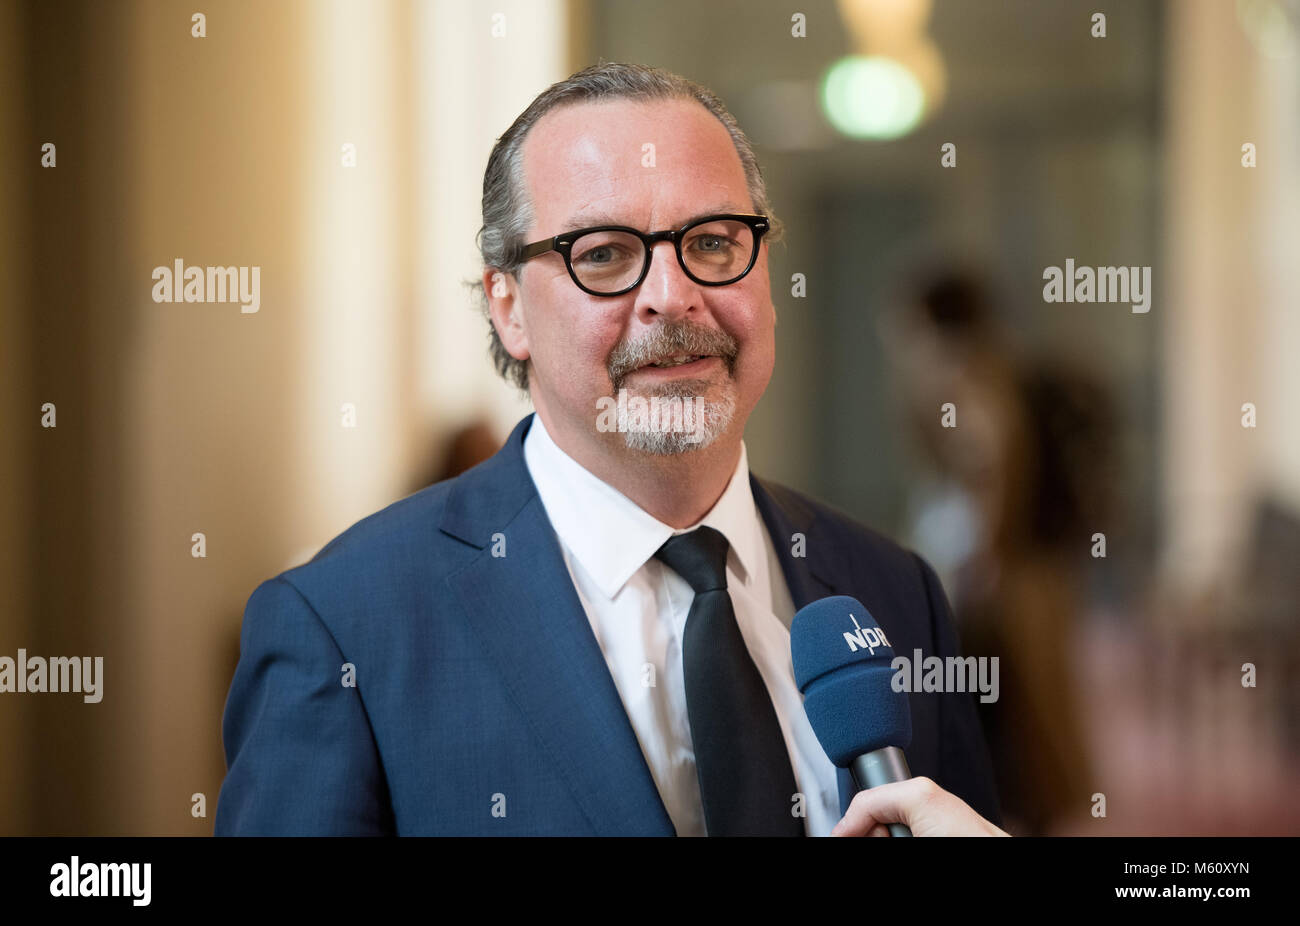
713	243
606	253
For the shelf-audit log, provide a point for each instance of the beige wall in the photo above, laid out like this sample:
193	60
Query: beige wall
17	410
182	418
1229	320
220	161
65	513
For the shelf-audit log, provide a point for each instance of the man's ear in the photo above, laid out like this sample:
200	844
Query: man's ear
505	309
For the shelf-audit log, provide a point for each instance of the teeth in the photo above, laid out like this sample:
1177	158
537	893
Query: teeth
676	361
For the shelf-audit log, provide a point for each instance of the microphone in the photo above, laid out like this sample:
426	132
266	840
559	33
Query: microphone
842	666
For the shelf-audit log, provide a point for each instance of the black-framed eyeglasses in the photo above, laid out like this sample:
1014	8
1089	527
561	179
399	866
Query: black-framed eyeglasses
610	260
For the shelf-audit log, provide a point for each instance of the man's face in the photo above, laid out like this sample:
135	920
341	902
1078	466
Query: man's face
592	164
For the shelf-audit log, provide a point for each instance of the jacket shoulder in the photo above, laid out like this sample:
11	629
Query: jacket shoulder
844	533
400	545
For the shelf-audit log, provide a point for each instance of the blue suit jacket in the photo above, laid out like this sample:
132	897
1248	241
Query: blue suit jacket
482	703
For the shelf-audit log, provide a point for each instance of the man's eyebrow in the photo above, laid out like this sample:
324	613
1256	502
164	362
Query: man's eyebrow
592	219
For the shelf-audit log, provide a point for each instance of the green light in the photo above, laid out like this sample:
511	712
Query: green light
872	97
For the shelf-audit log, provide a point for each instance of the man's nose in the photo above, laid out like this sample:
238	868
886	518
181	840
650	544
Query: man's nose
666	290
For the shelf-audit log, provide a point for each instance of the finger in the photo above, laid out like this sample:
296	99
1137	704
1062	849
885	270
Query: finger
880	830
897	802
856	820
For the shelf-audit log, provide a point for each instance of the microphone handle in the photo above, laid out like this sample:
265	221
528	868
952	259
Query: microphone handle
882	767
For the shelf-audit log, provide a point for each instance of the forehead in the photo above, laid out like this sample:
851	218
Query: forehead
630	162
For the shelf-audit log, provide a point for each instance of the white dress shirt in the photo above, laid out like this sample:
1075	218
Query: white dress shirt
637	607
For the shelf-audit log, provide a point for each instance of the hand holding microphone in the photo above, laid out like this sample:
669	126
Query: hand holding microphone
843	667
926	808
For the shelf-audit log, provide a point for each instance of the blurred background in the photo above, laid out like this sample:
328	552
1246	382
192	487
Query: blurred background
911	276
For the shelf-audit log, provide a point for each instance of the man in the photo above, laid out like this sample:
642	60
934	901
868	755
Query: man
588	633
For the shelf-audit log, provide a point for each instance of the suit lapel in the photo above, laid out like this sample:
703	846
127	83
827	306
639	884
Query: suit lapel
789	522
810	576
523	608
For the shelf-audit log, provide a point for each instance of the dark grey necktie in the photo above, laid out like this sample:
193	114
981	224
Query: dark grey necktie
747	784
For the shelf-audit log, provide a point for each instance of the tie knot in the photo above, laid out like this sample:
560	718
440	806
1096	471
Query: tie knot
699	557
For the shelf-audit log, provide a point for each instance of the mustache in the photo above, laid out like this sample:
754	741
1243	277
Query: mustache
667	339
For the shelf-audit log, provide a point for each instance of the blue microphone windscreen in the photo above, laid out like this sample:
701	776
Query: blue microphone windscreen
842	666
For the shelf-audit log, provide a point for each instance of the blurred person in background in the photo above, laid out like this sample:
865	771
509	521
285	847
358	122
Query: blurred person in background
1018	485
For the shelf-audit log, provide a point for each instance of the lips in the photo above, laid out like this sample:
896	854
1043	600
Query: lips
674	360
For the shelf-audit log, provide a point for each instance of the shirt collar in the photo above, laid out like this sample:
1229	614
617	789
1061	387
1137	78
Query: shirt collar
610	535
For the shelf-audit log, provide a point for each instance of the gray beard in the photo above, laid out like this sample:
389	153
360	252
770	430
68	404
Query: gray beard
712	421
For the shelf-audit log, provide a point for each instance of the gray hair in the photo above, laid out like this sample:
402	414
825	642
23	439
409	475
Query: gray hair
507	211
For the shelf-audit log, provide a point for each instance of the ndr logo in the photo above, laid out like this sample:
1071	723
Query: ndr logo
867	638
